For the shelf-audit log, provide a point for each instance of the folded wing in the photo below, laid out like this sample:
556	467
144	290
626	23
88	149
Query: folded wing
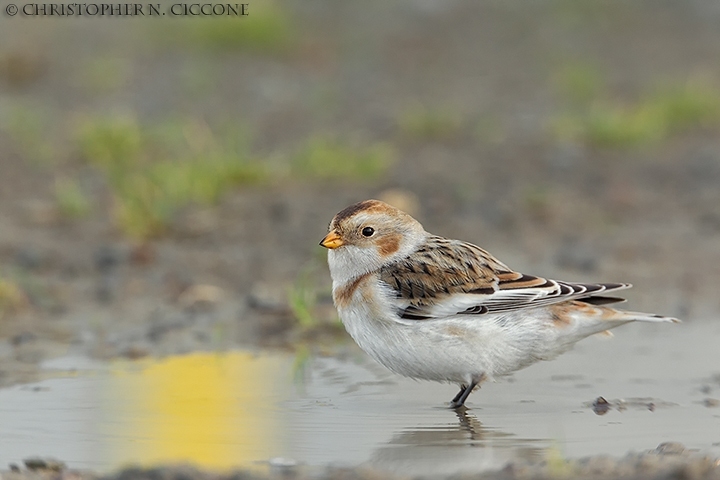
449	277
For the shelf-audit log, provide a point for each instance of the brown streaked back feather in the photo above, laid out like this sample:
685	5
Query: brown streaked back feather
449	277
443	267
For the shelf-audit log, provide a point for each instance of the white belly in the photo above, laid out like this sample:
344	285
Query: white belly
452	350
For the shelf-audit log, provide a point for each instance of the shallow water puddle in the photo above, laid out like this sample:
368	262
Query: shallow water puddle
237	409
216	410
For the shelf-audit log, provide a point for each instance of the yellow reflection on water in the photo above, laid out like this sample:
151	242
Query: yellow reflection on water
214	410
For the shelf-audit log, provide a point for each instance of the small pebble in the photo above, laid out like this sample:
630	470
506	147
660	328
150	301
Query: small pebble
282	462
206	296
134	352
143	254
106	258
28	259
601	406
22	338
38	463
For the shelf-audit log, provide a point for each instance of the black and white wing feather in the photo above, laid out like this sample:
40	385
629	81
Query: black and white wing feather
449	277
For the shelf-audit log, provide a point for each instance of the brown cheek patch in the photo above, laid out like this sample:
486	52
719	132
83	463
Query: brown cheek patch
388	245
343	296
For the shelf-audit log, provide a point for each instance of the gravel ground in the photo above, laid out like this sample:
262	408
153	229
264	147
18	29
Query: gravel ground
667	461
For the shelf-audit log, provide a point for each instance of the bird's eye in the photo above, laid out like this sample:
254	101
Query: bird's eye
368	231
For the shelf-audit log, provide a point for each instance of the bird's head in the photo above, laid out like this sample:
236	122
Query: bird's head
368	235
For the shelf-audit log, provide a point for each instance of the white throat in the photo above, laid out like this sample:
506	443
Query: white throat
350	262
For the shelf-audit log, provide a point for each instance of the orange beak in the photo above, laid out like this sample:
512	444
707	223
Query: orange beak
332	240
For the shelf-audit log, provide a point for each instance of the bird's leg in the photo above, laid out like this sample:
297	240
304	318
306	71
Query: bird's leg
457	397
460	398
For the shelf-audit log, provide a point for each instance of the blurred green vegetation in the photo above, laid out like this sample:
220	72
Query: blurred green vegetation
12	298
27	129
423	123
199	79
490	130
302	299
267	29
585	14
537	201
580	83
70	199
303	357
596	120
105	74
323	157
155	171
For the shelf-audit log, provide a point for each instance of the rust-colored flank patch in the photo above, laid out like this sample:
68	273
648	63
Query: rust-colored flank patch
454	331
561	313
344	295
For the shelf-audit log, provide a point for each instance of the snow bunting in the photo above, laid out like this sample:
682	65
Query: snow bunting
432	308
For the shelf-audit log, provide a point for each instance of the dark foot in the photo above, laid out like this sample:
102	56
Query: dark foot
462	395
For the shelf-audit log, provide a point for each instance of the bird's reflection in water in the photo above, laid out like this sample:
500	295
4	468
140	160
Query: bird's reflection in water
463	445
